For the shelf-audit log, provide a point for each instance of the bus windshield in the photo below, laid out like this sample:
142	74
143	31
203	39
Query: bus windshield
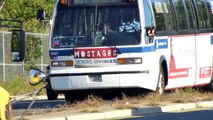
96	25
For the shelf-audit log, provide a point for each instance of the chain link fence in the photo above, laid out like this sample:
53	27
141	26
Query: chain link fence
9	69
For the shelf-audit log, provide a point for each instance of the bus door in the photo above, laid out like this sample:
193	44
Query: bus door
203	42
182	61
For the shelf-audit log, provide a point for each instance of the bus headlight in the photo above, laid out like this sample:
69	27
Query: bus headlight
61	63
122	61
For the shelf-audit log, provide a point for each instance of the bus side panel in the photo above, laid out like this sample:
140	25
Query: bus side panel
162	54
182	63
204	59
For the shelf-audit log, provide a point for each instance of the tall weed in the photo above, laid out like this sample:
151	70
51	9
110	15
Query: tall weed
19	85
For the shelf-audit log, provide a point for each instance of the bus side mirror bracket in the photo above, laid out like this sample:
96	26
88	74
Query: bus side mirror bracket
17	45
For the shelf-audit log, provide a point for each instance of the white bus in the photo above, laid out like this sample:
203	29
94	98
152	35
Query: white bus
120	44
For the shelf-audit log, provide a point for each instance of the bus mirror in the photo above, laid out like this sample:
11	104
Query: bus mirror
36	76
150	31
17	45
41	14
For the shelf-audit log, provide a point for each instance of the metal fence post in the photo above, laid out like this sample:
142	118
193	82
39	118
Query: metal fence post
41	53
3	62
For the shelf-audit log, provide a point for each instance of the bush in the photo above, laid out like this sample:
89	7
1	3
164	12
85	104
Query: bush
33	52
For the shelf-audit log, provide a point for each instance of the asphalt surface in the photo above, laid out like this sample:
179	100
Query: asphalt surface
38	106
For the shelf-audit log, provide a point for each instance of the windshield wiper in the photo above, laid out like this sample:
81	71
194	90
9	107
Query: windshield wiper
108	42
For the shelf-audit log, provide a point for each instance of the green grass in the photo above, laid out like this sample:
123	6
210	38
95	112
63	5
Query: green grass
19	85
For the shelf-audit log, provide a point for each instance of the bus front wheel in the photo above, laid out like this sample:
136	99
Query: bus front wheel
51	94
161	82
210	86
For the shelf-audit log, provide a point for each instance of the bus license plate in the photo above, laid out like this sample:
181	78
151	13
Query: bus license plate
95	78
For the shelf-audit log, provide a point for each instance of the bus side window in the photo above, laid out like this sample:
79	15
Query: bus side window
202	14
159	15
191	17
170	17
181	14
209	4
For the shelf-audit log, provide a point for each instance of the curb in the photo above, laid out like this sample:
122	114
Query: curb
134	112
25	98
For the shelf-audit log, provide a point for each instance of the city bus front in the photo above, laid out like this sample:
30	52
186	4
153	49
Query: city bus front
95	44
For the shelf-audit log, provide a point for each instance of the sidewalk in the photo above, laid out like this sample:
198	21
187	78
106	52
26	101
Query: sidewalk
138	111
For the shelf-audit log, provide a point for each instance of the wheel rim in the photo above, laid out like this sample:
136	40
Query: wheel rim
161	86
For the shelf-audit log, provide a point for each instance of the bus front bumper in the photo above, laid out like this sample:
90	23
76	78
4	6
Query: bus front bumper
125	79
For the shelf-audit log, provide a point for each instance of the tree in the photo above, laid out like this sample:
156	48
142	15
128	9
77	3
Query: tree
25	10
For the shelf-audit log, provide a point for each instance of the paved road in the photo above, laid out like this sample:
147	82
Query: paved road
38	106
204	114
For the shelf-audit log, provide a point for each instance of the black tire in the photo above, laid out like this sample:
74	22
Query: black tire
51	94
68	97
161	82
210	86
73	96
